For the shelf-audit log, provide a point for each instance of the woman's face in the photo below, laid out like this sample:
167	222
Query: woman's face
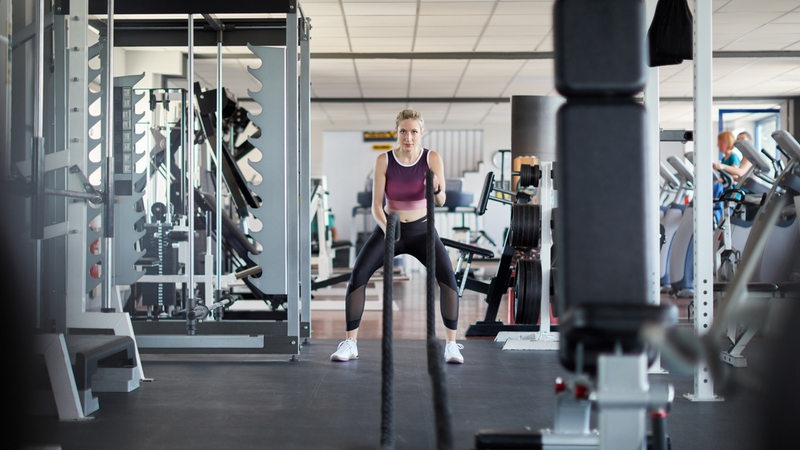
722	145
409	134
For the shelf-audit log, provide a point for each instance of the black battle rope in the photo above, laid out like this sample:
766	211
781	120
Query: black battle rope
387	362
444	428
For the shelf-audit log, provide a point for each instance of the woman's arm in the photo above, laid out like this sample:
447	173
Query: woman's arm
379	190
736	171
437	166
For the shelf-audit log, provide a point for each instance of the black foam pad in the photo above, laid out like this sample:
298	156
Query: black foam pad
599	47
602	226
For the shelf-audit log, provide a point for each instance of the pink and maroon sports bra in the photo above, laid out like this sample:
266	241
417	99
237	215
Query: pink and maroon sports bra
405	184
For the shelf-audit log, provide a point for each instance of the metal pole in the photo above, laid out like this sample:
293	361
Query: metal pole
305	180
703	227
218	187
292	181
108	212
190	303
7	78
651	101
38	158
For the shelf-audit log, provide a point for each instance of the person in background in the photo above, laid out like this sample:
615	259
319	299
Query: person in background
399	178
732	161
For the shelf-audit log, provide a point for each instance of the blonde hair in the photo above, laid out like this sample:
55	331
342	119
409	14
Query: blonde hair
409	114
728	138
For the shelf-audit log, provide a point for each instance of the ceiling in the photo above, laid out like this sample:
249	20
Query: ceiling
756	44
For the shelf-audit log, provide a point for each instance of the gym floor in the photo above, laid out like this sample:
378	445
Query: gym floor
315	404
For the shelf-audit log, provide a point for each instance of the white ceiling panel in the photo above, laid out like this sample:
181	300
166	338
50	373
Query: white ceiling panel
380	8
535	20
538	7
384	67
477	8
384	89
365	44
312	9
330	32
381	32
451	21
792	17
440	89
448	31
745	6
499	44
381	21
546	44
752	42
337	89
513	31
743	21
445	44
318	22
433	66
329	45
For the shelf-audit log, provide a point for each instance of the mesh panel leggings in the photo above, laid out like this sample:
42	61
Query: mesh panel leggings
412	242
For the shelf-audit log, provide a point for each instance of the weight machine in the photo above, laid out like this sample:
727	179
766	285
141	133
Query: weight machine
526	248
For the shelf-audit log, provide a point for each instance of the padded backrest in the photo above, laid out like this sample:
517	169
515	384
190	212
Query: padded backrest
788	143
604	43
754	156
684	169
668	176
488	184
592	231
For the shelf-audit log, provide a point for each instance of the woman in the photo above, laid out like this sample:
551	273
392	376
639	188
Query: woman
732	161
399	176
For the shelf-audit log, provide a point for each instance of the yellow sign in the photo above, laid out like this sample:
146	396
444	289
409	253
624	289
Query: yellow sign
381	147
380	135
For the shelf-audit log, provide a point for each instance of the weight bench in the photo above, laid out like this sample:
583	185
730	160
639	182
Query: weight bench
606	304
466	253
102	363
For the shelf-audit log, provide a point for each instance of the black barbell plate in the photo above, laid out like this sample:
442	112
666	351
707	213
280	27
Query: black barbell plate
528	290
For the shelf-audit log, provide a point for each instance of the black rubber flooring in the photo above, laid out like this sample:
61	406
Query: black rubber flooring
315	404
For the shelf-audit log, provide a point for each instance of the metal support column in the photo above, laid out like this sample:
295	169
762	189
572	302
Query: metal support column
108	179
703	228
305	183
292	180
218	177
37	201
6	12
191	322
651	101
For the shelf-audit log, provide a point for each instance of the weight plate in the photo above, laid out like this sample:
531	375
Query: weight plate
525	226
527	291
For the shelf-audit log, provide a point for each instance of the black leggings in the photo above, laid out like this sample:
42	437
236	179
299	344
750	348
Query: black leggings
412	242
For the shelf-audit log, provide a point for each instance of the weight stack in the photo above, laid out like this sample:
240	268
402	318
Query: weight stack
601	148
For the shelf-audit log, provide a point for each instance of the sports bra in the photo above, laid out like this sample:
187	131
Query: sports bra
405	184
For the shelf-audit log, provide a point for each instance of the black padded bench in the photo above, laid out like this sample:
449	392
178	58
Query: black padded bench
102	363
466	254
467	248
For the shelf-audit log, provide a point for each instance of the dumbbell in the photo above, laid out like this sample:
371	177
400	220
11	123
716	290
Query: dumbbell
529	175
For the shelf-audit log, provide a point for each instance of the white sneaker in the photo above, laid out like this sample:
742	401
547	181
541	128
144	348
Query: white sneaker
346	351
452	353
